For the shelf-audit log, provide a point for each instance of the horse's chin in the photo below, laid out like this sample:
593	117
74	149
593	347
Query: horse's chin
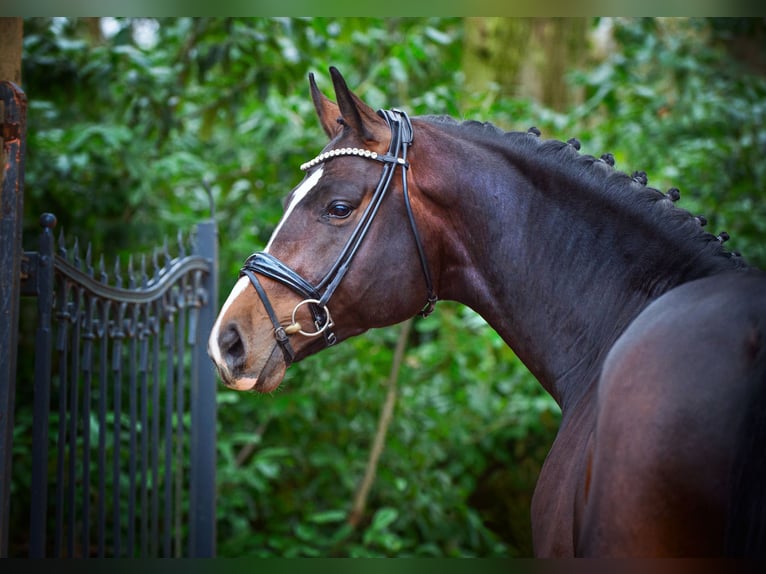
266	381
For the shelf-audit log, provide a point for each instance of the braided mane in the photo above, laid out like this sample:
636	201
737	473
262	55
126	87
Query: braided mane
647	205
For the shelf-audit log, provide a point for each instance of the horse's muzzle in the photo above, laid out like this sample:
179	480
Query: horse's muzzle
231	361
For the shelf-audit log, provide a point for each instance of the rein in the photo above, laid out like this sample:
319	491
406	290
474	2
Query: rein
317	297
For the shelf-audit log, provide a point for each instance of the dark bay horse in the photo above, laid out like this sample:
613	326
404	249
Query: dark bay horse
646	330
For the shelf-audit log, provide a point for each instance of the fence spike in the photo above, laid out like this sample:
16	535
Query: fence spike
144	278
103	277
166	251
117	272
156	262
131	273
181	246
76	253
61	242
89	260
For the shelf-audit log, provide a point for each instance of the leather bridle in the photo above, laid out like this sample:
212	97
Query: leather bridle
317	297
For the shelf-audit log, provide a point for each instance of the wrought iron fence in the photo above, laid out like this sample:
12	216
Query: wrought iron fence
120	456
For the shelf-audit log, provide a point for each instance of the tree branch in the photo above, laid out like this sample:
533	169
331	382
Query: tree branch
386	414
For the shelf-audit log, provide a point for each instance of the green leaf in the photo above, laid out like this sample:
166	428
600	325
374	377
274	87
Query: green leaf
327	516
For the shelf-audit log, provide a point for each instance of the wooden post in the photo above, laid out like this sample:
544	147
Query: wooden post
12	135
11	34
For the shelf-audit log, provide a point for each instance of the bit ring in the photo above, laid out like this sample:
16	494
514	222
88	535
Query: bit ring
329	323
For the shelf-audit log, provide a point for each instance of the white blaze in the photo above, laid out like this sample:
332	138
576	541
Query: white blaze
300	193
215	350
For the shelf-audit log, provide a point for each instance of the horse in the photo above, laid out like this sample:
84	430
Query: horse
646	330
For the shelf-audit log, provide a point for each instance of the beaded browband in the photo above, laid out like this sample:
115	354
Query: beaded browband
385	158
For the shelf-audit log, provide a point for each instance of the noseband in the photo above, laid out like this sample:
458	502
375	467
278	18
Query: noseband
316	297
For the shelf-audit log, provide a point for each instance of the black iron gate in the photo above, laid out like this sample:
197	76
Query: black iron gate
120	457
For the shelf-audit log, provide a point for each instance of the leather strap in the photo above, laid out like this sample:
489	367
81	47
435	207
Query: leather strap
279	331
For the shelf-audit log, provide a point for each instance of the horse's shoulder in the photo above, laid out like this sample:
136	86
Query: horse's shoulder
671	399
686	357
711	315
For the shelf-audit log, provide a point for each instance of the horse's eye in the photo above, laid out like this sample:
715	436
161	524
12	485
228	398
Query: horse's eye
339	210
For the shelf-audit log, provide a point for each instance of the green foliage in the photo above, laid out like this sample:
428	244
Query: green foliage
324	420
126	140
673	102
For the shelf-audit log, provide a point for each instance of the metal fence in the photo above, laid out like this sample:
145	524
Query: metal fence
119	456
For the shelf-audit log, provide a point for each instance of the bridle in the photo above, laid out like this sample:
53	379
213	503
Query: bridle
316	297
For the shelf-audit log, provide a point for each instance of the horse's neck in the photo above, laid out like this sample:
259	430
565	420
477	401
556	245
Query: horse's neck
549	289
539	260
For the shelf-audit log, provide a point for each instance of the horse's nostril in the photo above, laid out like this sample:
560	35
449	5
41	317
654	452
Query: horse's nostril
232	347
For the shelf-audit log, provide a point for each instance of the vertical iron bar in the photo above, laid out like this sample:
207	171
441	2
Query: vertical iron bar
103	397
62	348
119	335
168	431
203	406
132	351
13	111
179	427
74	404
42	390
87	361
155	442
143	366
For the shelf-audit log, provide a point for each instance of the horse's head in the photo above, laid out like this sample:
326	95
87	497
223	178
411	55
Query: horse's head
345	257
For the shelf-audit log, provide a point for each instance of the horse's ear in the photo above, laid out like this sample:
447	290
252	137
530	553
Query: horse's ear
355	113
327	110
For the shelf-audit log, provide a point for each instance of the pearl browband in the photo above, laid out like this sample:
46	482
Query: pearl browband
352	151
